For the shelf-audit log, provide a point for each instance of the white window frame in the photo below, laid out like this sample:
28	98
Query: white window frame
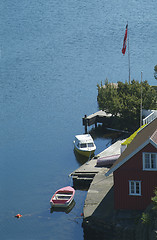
133	184
150	163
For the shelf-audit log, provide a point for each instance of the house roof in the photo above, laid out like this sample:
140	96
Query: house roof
146	135
154	137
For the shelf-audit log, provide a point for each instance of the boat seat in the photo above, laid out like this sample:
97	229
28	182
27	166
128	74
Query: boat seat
62	196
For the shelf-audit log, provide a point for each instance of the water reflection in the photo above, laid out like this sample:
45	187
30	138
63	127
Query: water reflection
80	158
63	209
102	132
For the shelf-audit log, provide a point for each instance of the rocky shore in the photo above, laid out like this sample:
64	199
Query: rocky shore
123	226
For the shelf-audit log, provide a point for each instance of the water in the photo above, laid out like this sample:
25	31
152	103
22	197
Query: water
52	55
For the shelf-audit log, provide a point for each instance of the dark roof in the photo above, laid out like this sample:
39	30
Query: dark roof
144	136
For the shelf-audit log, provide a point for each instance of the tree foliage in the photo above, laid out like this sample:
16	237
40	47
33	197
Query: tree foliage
155	72
124	99
145	218
154	199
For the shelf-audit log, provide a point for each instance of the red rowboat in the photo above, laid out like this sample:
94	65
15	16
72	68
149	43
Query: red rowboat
62	197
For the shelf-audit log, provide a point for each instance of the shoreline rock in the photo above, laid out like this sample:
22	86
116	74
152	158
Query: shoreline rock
122	225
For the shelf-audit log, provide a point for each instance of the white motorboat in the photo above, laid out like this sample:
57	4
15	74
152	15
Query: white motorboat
84	145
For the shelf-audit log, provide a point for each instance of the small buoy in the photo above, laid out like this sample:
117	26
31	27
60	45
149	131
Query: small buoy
18	215
82	214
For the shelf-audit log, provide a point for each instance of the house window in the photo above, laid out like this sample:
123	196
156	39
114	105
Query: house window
149	161
135	188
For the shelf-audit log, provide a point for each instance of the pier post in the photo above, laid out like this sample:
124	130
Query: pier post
85	116
95	119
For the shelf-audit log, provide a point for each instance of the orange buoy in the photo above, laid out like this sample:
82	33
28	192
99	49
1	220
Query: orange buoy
18	215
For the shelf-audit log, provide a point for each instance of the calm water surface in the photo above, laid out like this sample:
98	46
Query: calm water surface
52	55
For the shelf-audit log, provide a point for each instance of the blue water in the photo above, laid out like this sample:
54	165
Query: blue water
52	56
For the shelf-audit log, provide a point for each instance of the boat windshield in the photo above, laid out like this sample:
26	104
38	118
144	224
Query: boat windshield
90	145
83	145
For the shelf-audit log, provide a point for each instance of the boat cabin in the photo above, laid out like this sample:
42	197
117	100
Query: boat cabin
84	141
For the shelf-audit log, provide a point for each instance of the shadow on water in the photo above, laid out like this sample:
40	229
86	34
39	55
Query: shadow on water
80	158
102	132
63	209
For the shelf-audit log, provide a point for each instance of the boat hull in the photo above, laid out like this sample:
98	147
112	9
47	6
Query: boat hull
63	209
86	153
60	204
107	161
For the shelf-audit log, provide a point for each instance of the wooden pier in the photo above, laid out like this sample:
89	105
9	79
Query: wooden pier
98	117
84	175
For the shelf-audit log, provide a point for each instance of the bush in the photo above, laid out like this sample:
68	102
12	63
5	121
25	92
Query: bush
145	218
154	199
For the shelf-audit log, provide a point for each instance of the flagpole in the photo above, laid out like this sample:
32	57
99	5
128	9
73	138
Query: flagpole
129	56
141	103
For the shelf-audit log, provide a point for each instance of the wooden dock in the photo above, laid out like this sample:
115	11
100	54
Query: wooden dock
98	117
84	175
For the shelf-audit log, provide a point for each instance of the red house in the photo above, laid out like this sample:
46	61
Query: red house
135	172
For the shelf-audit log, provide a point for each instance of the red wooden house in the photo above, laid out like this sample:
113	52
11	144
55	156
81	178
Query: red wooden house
135	172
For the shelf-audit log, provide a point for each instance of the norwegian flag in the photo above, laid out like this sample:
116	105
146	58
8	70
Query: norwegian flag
125	40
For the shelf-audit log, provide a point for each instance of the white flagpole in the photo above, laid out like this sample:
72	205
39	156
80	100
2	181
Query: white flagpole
141	103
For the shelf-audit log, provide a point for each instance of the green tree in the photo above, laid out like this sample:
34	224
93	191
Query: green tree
124	99
155	72
108	94
149	96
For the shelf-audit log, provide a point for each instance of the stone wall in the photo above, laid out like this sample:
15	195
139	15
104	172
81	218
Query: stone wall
125	225
147	230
